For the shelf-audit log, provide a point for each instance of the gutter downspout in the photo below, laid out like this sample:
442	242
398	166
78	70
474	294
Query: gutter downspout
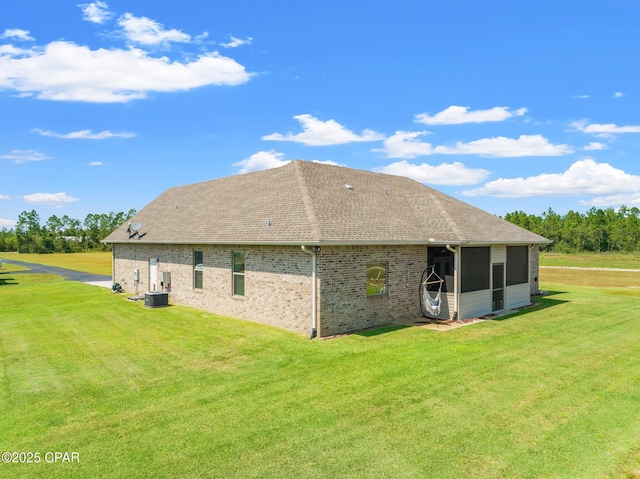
314	289
456	264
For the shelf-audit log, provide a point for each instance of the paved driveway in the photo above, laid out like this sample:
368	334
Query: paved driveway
67	274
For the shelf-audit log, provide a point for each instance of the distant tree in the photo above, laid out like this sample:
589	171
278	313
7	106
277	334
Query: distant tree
92	229
8	240
28	232
62	235
597	230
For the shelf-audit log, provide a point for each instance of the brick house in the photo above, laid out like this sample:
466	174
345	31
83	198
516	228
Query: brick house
323	249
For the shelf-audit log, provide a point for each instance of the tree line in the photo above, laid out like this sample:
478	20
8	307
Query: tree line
61	234
597	230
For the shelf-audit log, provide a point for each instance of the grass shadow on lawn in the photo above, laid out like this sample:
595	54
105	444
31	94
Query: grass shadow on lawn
539	303
367	333
4	280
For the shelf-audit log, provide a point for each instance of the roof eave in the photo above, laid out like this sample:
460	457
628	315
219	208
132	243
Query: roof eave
434	242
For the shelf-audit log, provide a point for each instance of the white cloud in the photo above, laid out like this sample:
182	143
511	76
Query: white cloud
65	71
236	42
584	177
595	145
328	162
321	133
582	97
95	12
95	163
618	94
502	147
17	33
404	144
49	198
85	134
262	160
6	223
457	115
25	156
614	200
452	174
4	197
145	31
606	129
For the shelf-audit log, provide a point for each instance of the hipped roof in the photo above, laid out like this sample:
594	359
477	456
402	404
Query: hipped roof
313	203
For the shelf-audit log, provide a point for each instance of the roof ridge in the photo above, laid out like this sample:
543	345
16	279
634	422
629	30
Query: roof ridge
447	216
306	200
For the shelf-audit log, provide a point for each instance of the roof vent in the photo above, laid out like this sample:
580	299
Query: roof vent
348	186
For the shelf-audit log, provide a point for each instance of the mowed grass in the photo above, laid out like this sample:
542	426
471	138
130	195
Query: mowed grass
592	260
597	279
94	262
553	391
10	268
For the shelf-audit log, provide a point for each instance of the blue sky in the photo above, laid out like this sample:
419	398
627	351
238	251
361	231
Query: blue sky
506	105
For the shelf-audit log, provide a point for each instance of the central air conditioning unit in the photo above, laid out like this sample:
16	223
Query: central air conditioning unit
156	299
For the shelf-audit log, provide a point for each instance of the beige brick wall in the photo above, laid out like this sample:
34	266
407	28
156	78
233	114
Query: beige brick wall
344	304
534	269
277	280
278	283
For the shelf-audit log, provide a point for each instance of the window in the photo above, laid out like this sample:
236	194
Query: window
474	269
197	269
238	274
517	265
376	279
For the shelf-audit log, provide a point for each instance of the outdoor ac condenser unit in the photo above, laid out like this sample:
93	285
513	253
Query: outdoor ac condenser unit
156	299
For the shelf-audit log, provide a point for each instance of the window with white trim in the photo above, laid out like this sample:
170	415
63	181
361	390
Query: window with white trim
197	269
238	273
376	279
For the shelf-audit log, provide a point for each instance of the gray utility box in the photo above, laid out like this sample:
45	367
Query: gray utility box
156	299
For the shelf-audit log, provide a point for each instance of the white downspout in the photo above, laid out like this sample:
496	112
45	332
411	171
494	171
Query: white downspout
314	286
456	261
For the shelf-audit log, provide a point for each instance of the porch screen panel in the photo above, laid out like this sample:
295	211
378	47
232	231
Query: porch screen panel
517	265
474	268
442	260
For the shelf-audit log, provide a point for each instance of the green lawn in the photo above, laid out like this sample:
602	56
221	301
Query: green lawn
176	392
592	260
10	268
94	262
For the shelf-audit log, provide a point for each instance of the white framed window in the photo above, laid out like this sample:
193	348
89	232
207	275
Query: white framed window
238	273
197	269
376	279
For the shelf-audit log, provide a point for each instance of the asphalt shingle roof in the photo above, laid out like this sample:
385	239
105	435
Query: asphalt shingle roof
310	203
